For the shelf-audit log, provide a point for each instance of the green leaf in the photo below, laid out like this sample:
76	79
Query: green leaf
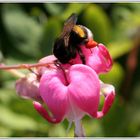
116	121
119	48
53	8
127	22
73	8
57	131
117	72
51	31
133	109
93	128
1	57
6	95
24	32
97	21
5	132
16	121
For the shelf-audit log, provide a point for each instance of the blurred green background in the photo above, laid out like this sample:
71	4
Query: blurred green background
27	33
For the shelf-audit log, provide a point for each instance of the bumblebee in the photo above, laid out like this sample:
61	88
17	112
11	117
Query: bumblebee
67	45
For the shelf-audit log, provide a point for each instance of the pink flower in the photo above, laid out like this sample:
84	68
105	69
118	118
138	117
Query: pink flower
76	98
71	93
28	87
98	58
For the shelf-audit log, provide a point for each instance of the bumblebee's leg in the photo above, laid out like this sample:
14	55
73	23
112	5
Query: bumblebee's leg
82	57
59	65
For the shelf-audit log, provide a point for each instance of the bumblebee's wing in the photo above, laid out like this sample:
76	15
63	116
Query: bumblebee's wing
72	19
68	25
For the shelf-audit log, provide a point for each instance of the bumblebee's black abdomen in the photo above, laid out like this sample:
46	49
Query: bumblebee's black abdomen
61	52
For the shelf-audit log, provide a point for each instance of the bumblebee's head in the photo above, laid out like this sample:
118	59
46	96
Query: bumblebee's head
89	33
82	34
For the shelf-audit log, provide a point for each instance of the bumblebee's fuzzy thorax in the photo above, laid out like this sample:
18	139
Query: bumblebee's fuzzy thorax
67	46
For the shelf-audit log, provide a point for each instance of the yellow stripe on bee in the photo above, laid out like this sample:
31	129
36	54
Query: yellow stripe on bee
79	31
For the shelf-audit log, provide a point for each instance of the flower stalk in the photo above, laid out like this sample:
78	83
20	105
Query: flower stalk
79	130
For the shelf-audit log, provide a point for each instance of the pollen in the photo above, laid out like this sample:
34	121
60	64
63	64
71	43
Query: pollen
79	31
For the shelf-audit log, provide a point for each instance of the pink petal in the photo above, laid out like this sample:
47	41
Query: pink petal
28	87
109	92
84	88
53	91
74	112
42	111
48	59
98	58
